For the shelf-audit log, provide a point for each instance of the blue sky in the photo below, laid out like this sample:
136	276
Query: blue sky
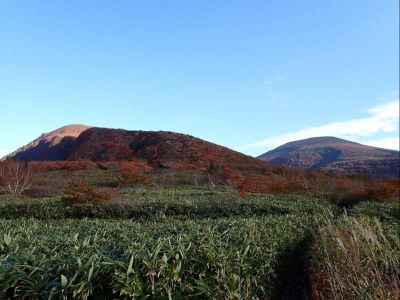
245	74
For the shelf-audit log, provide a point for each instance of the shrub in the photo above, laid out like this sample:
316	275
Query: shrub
130	176
81	193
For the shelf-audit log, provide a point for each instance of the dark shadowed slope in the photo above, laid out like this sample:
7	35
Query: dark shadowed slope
54	145
330	153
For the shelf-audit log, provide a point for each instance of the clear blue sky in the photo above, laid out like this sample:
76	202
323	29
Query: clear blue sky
244	74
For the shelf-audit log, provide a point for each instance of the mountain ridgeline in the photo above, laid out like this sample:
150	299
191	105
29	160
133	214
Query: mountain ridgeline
158	149
335	155
54	145
175	151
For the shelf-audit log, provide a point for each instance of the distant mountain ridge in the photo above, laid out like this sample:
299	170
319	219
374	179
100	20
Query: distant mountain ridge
334	154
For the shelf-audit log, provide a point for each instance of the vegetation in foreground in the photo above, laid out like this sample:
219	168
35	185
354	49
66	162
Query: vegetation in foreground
111	239
200	244
230	258
357	258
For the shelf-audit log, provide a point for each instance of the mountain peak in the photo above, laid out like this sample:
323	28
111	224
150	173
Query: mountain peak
61	137
73	130
332	153
321	140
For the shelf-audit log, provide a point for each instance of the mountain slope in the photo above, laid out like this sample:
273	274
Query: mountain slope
330	153
161	149
54	145
158	149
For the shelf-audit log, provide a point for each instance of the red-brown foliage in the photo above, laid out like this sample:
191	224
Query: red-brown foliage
384	189
157	149
339	189
132	175
346	190
79	165
79	193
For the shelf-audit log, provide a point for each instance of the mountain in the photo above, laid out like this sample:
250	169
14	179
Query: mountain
158	149
334	154
174	158
54	145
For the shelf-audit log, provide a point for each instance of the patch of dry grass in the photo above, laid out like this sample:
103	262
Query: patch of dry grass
357	258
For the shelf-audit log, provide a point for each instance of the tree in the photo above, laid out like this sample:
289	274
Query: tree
216	173
15	177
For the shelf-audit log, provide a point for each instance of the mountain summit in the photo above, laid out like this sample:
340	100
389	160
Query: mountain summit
50	146
334	154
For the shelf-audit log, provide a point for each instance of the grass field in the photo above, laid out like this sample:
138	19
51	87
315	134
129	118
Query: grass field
193	243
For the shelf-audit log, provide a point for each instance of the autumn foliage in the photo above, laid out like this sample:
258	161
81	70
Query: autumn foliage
131	175
16	178
46	166
81	193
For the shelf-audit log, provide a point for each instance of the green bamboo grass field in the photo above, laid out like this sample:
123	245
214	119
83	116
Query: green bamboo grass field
196	244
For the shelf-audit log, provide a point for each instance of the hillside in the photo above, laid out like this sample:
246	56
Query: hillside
334	154
54	145
158	149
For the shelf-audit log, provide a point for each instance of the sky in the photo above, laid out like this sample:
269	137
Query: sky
249	75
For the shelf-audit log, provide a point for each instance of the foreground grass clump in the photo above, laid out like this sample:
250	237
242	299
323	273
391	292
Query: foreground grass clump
386	212
230	258
357	258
